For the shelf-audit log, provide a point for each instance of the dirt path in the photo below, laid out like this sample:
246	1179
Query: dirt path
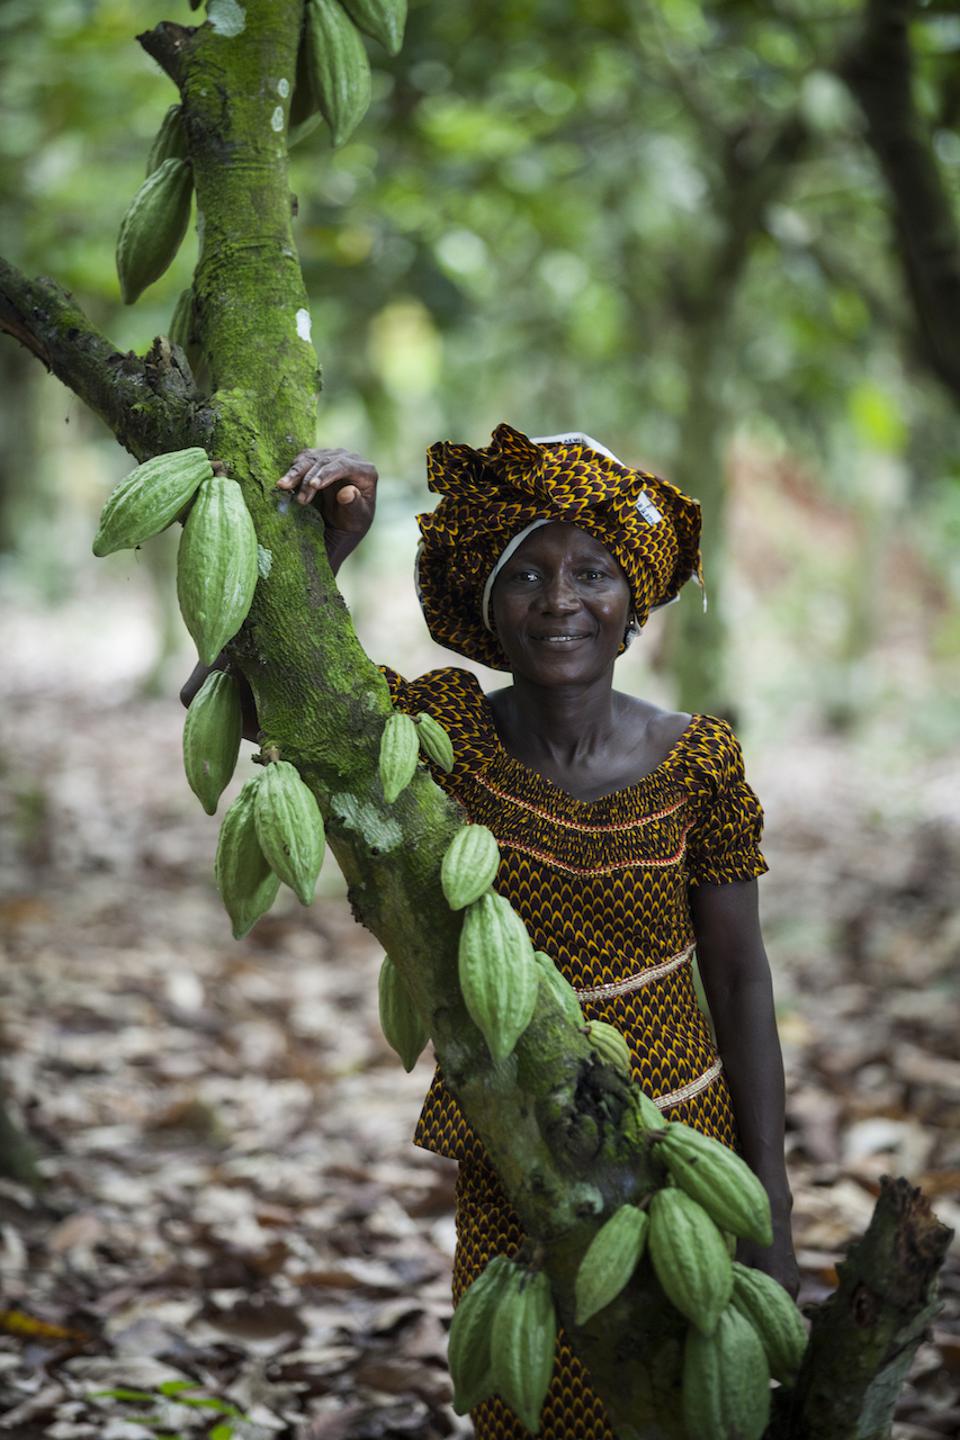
232	1198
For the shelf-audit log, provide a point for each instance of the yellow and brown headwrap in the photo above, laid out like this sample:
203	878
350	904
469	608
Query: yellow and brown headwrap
492	494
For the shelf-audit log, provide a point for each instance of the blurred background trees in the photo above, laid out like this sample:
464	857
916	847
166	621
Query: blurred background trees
661	224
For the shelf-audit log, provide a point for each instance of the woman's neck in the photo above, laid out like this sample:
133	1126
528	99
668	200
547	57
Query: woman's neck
558	723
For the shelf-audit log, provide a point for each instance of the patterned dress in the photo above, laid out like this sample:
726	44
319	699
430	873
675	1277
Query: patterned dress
602	887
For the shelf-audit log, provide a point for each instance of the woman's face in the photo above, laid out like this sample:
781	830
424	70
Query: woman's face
560	606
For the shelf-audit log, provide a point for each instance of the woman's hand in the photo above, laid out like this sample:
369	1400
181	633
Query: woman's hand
343	486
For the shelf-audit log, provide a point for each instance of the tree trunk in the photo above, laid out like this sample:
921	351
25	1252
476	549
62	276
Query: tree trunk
755	167
561	1128
17	1158
878	69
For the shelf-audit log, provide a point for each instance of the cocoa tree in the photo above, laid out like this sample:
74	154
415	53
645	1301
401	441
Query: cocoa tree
562	1126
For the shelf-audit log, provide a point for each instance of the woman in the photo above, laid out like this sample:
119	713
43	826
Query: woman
628	833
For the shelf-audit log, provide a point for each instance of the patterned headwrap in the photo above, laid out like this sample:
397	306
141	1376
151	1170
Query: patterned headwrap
494	494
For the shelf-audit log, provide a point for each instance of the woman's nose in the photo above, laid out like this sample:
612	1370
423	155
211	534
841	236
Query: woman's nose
560	595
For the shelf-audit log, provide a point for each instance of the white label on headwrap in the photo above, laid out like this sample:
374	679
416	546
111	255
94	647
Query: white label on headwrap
648	510
576	437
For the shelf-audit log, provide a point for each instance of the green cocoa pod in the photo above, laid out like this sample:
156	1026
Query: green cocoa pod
689	1258
149	499
611	1259
247	885
468	1346
384	20
170	142
211	738
469	866
180	329
290	828
718	1180
726	1384
498	976
399	1018
522	1345
399	752
303	102
434	741
561	990
216	566
774	1316
153	227
648	1112
610	1044
338	66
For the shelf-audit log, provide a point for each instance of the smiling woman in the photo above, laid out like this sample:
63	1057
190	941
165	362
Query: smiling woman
628	835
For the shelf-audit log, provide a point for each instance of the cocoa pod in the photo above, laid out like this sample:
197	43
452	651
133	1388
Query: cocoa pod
468	1345
180	329
689	1258
776	1319
399	752
384	20
522	1345
434	741
216	566
610	1044
726	1383
153	227
611	1259
170	142
290	828
212	732
399	1018
719	1180
338	67
650	1116
247	885
149	499
561	990
498	976
469	866
303	102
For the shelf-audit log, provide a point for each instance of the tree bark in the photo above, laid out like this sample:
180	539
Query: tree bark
878	70
866	1335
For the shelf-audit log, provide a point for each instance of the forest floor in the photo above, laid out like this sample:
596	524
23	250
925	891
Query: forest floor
231	1200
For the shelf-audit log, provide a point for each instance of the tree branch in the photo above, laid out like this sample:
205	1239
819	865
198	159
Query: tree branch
165	44
149	404
865	1336
878	71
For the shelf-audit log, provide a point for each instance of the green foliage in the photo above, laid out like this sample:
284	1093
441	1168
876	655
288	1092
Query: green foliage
522	227
161	1403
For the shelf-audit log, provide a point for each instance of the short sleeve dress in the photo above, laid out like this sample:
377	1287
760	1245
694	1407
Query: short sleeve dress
602	886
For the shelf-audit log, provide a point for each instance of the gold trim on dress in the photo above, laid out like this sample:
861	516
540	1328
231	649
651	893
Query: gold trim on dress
687	1092
635	981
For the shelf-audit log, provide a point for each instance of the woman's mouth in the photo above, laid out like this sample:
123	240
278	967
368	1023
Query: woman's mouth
559	639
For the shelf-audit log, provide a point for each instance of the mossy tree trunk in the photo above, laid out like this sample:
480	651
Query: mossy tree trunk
561	1128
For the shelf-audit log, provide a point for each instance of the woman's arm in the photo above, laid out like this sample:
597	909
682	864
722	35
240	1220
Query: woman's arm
199	673
736	978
